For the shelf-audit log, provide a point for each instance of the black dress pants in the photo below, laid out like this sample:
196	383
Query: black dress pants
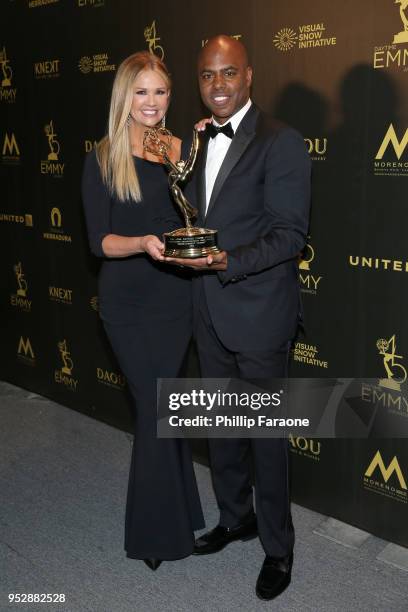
231	458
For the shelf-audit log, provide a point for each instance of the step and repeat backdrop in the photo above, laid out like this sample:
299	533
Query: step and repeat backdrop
335	71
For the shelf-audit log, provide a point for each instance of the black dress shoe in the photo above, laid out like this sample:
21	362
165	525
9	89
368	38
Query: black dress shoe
274	577
219	537
152	563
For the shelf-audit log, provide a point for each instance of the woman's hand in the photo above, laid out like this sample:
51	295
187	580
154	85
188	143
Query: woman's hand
151	245
202	124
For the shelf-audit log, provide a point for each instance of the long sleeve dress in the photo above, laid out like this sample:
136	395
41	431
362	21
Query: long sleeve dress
147	314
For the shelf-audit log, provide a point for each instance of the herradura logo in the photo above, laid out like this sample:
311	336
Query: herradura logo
386	480
56	230
52	164
151	37
56	217
7	92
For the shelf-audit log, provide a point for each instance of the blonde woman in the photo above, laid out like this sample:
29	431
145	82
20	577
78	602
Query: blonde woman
145	307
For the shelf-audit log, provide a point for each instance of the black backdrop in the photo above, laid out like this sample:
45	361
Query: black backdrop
335	71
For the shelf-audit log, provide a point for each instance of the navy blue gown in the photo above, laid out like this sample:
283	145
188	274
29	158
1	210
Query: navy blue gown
146	311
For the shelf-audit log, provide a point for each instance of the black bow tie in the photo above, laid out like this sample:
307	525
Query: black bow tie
226	129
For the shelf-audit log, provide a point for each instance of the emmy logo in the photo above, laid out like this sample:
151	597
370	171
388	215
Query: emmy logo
67	361
396	372
21	281
306	257
402	37
52	142
6	68
151	38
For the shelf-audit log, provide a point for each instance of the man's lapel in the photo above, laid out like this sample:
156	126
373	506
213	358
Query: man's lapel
244	135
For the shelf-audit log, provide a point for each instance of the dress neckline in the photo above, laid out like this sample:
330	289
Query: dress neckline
150	161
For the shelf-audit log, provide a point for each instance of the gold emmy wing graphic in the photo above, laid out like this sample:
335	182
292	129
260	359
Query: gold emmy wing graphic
22	283
151	38
402	37
52	142
189	241
306	257
67	361
6	68
396	372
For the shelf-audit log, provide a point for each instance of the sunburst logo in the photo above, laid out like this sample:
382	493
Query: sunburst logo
285	39
85	64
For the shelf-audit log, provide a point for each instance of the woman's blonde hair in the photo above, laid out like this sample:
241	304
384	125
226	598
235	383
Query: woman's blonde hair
114	152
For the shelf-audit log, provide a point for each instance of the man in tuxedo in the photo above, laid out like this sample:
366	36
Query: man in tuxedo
251	183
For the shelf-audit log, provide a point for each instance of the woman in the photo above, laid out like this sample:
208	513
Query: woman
145	306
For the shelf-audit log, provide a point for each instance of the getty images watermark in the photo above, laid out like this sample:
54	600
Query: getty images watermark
275	408
235	403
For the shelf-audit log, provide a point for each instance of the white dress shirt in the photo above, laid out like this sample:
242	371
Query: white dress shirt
217	150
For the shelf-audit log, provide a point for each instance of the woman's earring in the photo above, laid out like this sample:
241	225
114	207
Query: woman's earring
163	121
129	120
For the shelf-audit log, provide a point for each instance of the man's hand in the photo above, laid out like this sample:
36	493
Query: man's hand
201	125
216	261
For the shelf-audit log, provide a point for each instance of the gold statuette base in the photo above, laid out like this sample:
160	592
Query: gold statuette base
190	242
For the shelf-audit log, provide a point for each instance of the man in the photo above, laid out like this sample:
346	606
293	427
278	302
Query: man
252	185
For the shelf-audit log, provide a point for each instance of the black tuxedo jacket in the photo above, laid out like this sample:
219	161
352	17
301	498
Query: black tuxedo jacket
260	207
